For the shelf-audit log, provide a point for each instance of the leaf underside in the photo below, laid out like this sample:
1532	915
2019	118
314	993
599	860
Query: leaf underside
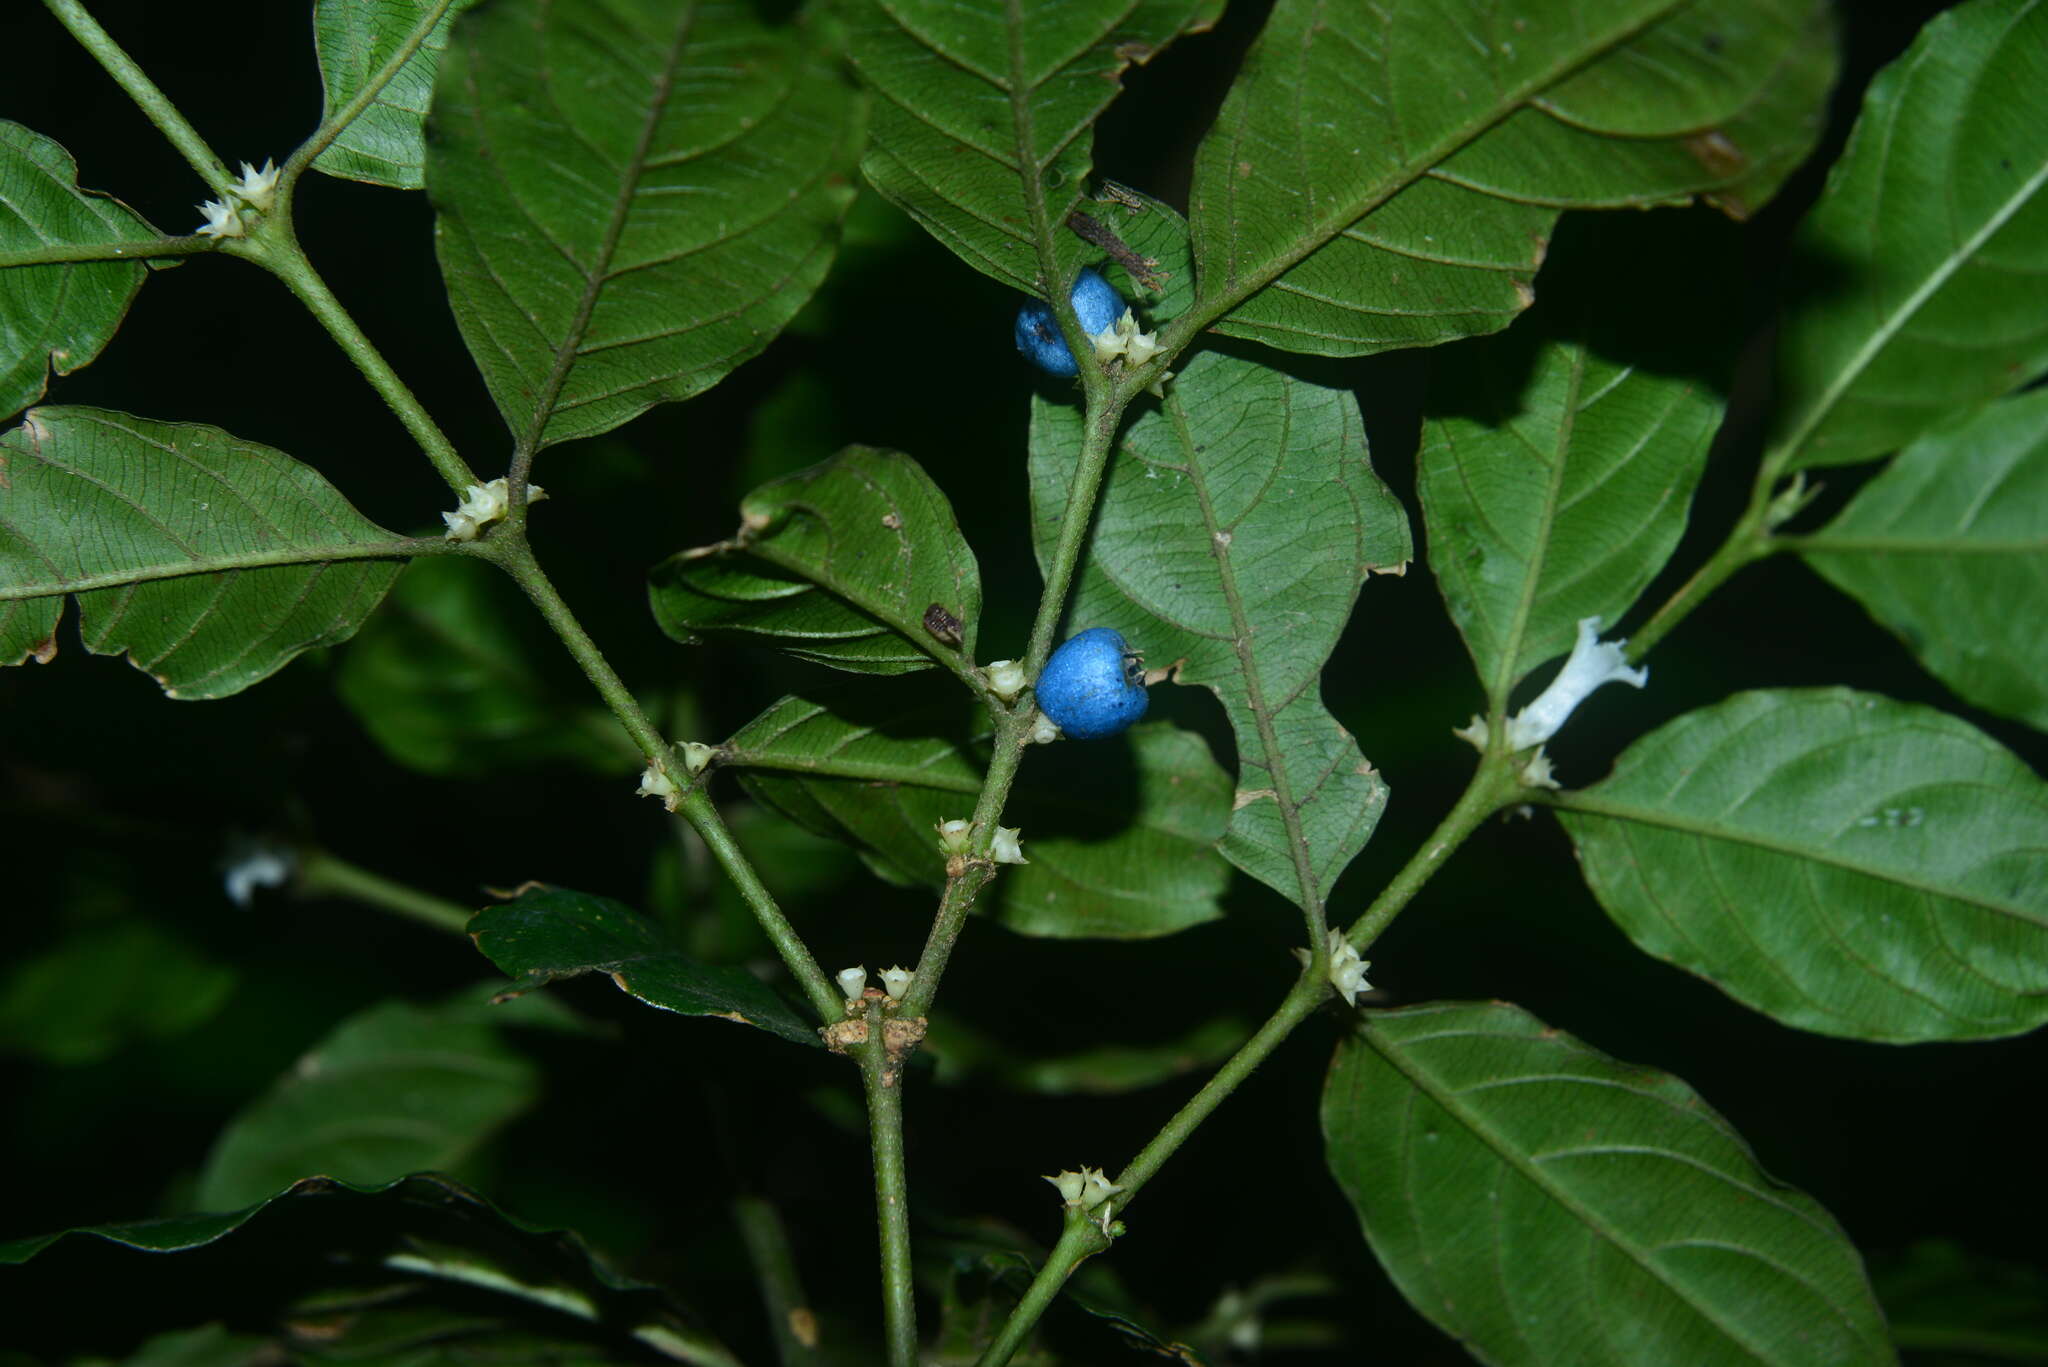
384	144
1547	1204
1842	862
211	561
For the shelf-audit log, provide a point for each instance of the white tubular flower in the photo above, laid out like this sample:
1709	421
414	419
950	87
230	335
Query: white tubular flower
1071	1185
257	866
896	981
1008	846
221	220
953	835
257	189
655	782
483	504
852	982
1347	970
1005	679
1593	662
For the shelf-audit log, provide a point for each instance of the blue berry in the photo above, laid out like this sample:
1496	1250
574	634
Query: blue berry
1096	303
1092	686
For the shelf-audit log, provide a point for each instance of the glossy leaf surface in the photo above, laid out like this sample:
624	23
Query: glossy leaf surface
211	561
1927	255
1387	176
1545	1203
634	198
549	933
1121	836
395	1089
450	678
355	40
984	114
1948	548
60	316
856	563
1553	488
1237	522
1845	863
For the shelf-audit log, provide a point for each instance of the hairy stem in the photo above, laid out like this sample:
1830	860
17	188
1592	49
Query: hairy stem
782	1290
324	875
880	1077
278	252
1492	787
155	105
147	249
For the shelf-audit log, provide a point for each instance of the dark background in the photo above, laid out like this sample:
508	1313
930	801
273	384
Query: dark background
119	803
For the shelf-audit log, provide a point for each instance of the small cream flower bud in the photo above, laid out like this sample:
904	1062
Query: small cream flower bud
896	981
1005	679
696	755
954	834
1008	847
656	783
852	982
1071	1185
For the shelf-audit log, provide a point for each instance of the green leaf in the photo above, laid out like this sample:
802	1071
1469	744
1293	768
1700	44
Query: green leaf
1121	841
984	115
1388	176
1940	1296
58	315
1555	483
433	1236
1948	548
1928	251
1841	862
450	679
1547	1204
856	563
392	1090
1237	521
550	933
634	197
210	1345
383	144
964	1054
211	561
97	990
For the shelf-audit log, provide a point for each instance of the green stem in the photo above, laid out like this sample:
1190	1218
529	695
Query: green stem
1747	541
333	126
277	250
151	248
323	875
1105	417
696	807
153	102
880	1078
1492	787
790	1316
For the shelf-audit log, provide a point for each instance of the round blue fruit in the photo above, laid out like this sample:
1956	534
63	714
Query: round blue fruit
1092	686
1096	303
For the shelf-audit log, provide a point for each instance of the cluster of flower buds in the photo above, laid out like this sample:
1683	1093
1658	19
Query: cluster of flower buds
956	835
853	982
255	190
1088	1189
1347	970
483	504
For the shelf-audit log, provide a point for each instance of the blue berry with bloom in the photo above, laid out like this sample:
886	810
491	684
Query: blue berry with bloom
1092	686
1096	303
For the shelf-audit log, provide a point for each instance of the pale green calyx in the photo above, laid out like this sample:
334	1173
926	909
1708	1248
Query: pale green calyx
1006	678
896	981
954	835
483	504
853	982
1044	731
1593	662
655	782
1008	846
1126	341
1347	970
1071	1185
1086	1189
221	220
696	755
257	189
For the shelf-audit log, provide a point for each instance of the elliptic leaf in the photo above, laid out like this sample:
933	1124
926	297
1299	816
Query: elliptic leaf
1841	862
447	680
1547	1204
394	1089
1552	491
550	933
1927	255
856	563
355	42
59	315
1387	176
1237	522
105	986
1948	548
211	561
635	197
984	115
1122	842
